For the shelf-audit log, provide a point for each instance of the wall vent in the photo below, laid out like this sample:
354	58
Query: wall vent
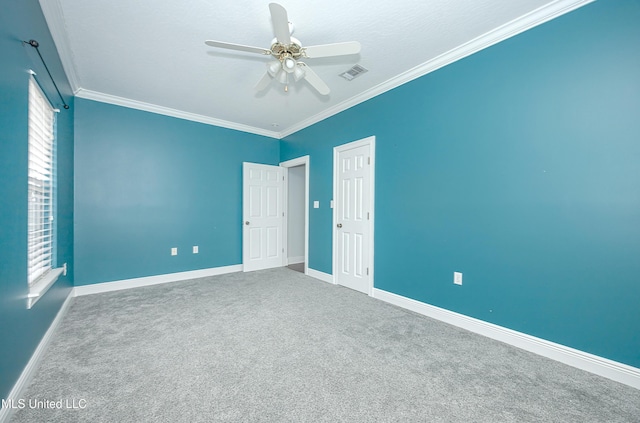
353	73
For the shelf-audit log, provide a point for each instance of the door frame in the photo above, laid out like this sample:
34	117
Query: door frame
299	161
371	142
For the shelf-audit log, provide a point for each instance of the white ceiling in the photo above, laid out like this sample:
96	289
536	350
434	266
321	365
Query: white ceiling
151	55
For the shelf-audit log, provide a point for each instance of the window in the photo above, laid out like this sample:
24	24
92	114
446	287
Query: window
42	177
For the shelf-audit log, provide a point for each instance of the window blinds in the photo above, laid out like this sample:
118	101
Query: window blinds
41	184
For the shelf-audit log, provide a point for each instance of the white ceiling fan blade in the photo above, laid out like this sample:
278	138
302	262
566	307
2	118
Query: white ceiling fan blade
239	47
337	49
264	82
314	80
280	23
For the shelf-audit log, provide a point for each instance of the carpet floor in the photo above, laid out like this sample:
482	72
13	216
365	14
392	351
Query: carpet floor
279	346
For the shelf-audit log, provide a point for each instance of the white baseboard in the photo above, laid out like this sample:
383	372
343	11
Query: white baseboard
31	367
582	360
319	275
153	280
295	260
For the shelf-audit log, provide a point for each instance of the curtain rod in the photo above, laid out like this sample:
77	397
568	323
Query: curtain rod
35	44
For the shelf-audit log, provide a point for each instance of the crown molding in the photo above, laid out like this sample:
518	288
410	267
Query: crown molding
55	21
52	11
161	110
530	20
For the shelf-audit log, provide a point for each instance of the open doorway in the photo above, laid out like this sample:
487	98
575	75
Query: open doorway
296	212
295	222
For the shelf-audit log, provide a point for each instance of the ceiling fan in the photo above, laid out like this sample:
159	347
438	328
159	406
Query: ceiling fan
289	51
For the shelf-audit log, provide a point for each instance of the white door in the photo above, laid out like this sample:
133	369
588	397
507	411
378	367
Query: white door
262	211
352	215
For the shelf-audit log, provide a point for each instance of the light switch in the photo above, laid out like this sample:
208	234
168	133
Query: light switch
316	204
331	204
457	278
174	251
195	249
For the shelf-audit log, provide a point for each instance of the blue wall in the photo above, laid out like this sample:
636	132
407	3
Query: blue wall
146	183
20	329
518	166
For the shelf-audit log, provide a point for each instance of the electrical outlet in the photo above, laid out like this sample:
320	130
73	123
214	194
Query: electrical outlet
457	278
174	251
195	249
316	204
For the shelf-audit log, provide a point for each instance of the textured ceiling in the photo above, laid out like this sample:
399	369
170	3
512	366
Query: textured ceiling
151	55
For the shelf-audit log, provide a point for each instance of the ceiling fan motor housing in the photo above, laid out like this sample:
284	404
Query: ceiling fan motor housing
293	50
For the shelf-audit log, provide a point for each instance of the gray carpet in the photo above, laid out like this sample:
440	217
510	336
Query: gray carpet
298	267
278	346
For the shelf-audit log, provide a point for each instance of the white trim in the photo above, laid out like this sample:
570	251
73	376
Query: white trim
371	142
38	289
30	369
523	23
372	226
153	280
52	11
55	21
582	360
285	217
295	260
300	161
325	277
161	110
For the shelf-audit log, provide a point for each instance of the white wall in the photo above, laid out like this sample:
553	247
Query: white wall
295	231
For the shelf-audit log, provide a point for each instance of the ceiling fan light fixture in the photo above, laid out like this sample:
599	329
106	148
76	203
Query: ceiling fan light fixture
283	77
274	67
298	73
289	64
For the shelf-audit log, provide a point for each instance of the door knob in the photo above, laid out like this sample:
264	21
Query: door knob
339	225
246	223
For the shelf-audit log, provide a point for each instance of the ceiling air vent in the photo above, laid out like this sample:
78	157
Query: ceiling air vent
353	73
